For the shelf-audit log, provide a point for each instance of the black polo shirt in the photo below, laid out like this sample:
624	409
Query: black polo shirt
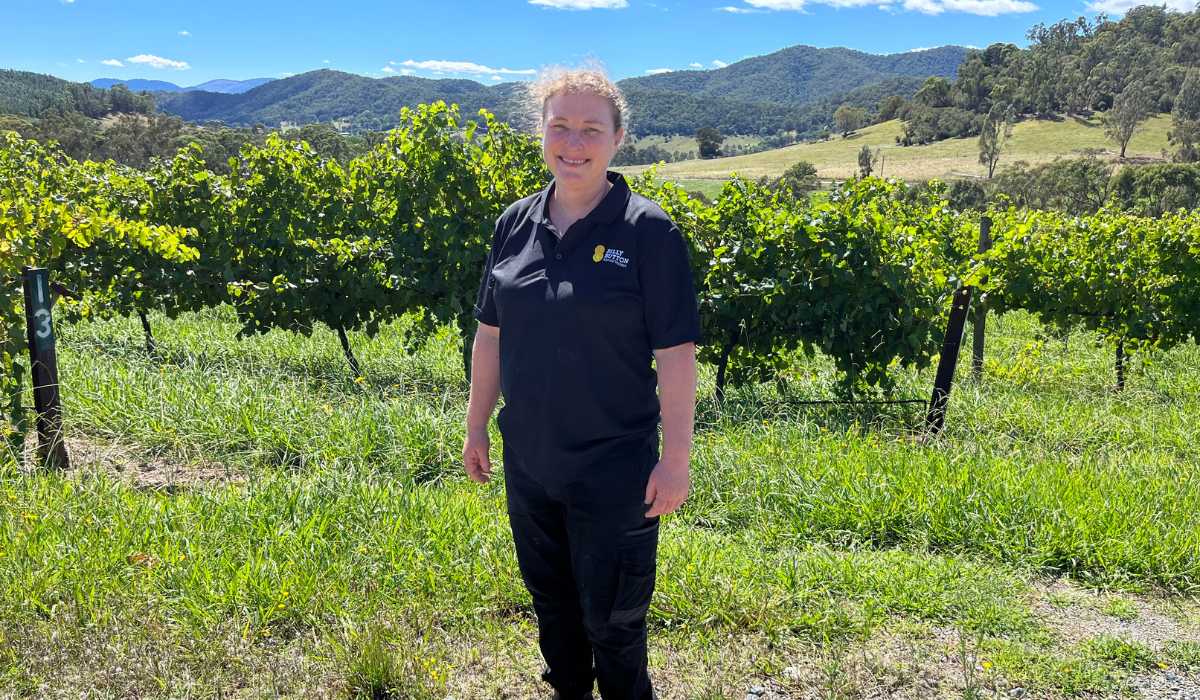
579	320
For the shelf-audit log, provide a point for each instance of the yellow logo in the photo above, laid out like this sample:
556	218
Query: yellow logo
599	253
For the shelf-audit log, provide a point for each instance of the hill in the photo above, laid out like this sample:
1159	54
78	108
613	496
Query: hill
801	75
25	93
324	95
21	91
758	95
1034	141
219	85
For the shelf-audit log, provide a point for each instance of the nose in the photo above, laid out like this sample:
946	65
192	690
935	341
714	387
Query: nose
574	139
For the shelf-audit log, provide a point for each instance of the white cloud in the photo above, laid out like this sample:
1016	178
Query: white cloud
286	74
113	62
389	69
1120	7
440	67
159	62
185	33
658	71
986	8
740	10
325	61
496	77
695	65
80	60
720	64
989	8
581	4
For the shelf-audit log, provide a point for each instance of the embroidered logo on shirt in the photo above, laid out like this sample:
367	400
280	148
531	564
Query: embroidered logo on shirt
616	257
599	253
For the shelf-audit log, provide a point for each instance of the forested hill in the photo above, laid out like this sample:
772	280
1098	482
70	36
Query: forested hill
325	95
666	112
754	96
801	75
21	91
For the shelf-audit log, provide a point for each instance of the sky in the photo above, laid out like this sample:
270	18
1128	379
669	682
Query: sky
188	43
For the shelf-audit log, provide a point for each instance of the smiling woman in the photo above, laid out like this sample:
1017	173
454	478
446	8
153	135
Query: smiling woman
586	307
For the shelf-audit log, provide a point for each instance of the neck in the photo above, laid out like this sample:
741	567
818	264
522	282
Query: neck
576	202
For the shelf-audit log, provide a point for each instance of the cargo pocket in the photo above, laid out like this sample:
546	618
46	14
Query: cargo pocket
635	584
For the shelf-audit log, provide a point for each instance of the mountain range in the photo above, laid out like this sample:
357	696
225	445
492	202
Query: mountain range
800	75
219	85
758	95
794	89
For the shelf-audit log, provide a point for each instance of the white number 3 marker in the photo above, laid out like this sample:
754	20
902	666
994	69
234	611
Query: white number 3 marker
44	316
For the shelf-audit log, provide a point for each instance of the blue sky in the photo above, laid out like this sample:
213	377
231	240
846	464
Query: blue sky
190	42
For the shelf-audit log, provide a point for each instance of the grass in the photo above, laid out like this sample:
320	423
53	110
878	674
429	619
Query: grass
342	549
1034	141
684	144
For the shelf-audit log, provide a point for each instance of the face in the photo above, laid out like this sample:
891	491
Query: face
578	139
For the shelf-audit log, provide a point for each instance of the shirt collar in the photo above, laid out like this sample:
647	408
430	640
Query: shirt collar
605	212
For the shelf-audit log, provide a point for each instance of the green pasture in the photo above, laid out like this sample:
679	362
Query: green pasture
313	532
1034	141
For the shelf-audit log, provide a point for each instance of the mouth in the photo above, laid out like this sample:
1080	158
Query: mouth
573	161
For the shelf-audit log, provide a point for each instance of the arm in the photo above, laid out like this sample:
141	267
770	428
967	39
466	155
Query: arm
485	393
670	481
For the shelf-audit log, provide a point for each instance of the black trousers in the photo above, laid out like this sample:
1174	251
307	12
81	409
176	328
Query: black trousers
587	555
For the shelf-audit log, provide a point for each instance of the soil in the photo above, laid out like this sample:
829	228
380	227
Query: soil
145	472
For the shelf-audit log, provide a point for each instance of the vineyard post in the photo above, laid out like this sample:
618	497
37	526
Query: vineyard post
348	352
149	333
936	418
52	450
1120	364
723	365
985	243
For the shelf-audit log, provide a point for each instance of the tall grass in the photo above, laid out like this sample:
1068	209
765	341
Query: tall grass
805	522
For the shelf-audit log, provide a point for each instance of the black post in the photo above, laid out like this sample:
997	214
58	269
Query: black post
723	365
936	418
52	450
149	333
349	352
468	347
985	243
1120	365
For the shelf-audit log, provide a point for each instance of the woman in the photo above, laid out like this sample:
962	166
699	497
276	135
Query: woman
586	284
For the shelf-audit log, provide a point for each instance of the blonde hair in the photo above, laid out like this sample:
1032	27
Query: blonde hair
591	76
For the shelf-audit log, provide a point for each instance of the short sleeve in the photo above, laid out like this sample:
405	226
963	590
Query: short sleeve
485	304
669	296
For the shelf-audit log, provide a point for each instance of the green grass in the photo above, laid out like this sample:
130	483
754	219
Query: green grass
1034	141
347	534
709	188
685	144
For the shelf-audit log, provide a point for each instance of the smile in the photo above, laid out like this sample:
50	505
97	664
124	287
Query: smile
573	162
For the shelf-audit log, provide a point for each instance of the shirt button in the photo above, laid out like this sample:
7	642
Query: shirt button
558	256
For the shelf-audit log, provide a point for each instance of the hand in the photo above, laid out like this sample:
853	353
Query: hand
475	455
668	486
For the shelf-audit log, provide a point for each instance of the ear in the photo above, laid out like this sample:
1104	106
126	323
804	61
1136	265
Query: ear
620	135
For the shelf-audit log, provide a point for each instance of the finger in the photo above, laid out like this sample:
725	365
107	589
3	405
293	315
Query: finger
475	470
651	491
658	508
